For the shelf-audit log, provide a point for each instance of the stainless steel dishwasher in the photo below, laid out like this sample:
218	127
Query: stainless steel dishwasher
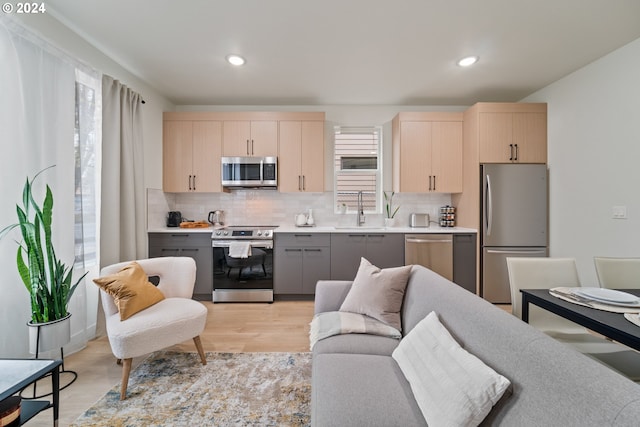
434	251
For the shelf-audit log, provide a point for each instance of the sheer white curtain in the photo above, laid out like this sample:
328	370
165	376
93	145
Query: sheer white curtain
123	224
37	108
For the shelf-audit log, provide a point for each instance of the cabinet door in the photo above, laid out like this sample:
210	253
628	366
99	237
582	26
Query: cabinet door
415	152
236	138
495	135
530	137
177	156
316	265
346	251
203	257
313	156
207	150
290	154
446	157
385	250
287	267
264	138
464	261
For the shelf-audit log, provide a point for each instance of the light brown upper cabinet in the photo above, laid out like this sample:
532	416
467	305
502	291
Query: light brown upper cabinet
191	156
512	136
301	159
427	152
250	138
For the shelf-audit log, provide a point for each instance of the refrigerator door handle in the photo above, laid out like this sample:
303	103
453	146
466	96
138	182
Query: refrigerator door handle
518	252
488	206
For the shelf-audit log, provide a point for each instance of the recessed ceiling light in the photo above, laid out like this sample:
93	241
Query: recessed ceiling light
235	60
469	60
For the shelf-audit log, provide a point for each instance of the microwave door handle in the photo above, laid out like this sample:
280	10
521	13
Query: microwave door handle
261	172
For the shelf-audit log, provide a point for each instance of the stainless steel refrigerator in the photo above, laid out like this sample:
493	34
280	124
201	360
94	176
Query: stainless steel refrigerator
514	222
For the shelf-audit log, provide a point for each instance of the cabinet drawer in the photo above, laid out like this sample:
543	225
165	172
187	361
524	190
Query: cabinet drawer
303	239
182	240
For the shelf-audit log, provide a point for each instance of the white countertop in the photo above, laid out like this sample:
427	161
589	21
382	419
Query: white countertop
329	229
341	229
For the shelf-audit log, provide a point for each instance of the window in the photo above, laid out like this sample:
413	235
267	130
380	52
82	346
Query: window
358	167
87	140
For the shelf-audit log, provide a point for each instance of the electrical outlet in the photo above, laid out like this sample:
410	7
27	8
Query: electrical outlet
619	212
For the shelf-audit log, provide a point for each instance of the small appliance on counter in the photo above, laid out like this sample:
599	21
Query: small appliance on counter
447	216
216	217
419	220
174	218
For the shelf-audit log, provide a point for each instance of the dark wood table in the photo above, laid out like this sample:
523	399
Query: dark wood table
16	374
611	325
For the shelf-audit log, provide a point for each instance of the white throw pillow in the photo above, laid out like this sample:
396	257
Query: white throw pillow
378	293
451	386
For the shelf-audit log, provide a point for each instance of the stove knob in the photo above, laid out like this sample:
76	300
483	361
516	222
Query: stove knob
267	233
217	233
260	233
226	233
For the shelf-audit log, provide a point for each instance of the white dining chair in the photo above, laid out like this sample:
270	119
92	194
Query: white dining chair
618	273
547	273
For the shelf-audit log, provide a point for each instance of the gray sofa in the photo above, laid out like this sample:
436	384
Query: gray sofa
356	382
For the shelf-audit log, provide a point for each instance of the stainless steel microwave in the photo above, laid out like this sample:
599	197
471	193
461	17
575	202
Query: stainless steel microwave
250	172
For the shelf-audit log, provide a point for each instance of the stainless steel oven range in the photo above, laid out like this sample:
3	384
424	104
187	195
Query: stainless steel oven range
243	264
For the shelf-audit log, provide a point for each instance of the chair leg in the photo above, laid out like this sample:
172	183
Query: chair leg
198	343
126	370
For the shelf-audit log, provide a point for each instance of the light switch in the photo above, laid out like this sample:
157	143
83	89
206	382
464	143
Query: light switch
619	212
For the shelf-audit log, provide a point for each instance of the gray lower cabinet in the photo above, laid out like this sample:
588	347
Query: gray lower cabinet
299	261
194	245
464	261
383	250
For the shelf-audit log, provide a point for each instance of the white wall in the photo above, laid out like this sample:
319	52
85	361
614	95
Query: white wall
594	159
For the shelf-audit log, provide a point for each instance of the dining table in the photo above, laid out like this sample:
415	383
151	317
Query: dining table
612	325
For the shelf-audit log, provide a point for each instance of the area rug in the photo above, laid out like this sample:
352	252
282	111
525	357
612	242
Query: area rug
233	389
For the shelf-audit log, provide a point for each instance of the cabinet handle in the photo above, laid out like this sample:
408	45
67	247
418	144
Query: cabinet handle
516	145
248	153
434	183
252	147
304	186
293	250
179	235
190	250
169	250
511	152
357	235
313	250
189	182
429	182
194	183
299	183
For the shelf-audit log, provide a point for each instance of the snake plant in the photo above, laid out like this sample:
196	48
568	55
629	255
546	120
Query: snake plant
46	278
389	211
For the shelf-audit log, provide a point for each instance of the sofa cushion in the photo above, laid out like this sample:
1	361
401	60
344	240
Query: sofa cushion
356	343
378	293
361	390
451	386
131	290
331	323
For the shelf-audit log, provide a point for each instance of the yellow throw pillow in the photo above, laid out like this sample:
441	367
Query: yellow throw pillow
131	289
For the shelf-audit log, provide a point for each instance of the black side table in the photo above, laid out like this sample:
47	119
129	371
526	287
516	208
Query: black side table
16	374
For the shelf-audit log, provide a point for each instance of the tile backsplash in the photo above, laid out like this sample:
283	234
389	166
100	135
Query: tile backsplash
270	207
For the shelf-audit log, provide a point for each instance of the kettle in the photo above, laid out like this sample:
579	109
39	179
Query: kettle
216	217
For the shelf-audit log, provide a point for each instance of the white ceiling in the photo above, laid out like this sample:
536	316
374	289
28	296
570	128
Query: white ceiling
351	52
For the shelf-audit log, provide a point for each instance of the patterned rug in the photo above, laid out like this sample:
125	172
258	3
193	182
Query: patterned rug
233	389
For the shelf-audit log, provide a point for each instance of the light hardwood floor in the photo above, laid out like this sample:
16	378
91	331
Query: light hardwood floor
233	327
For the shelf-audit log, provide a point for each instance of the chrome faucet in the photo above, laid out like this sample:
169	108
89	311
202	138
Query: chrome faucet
361	217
